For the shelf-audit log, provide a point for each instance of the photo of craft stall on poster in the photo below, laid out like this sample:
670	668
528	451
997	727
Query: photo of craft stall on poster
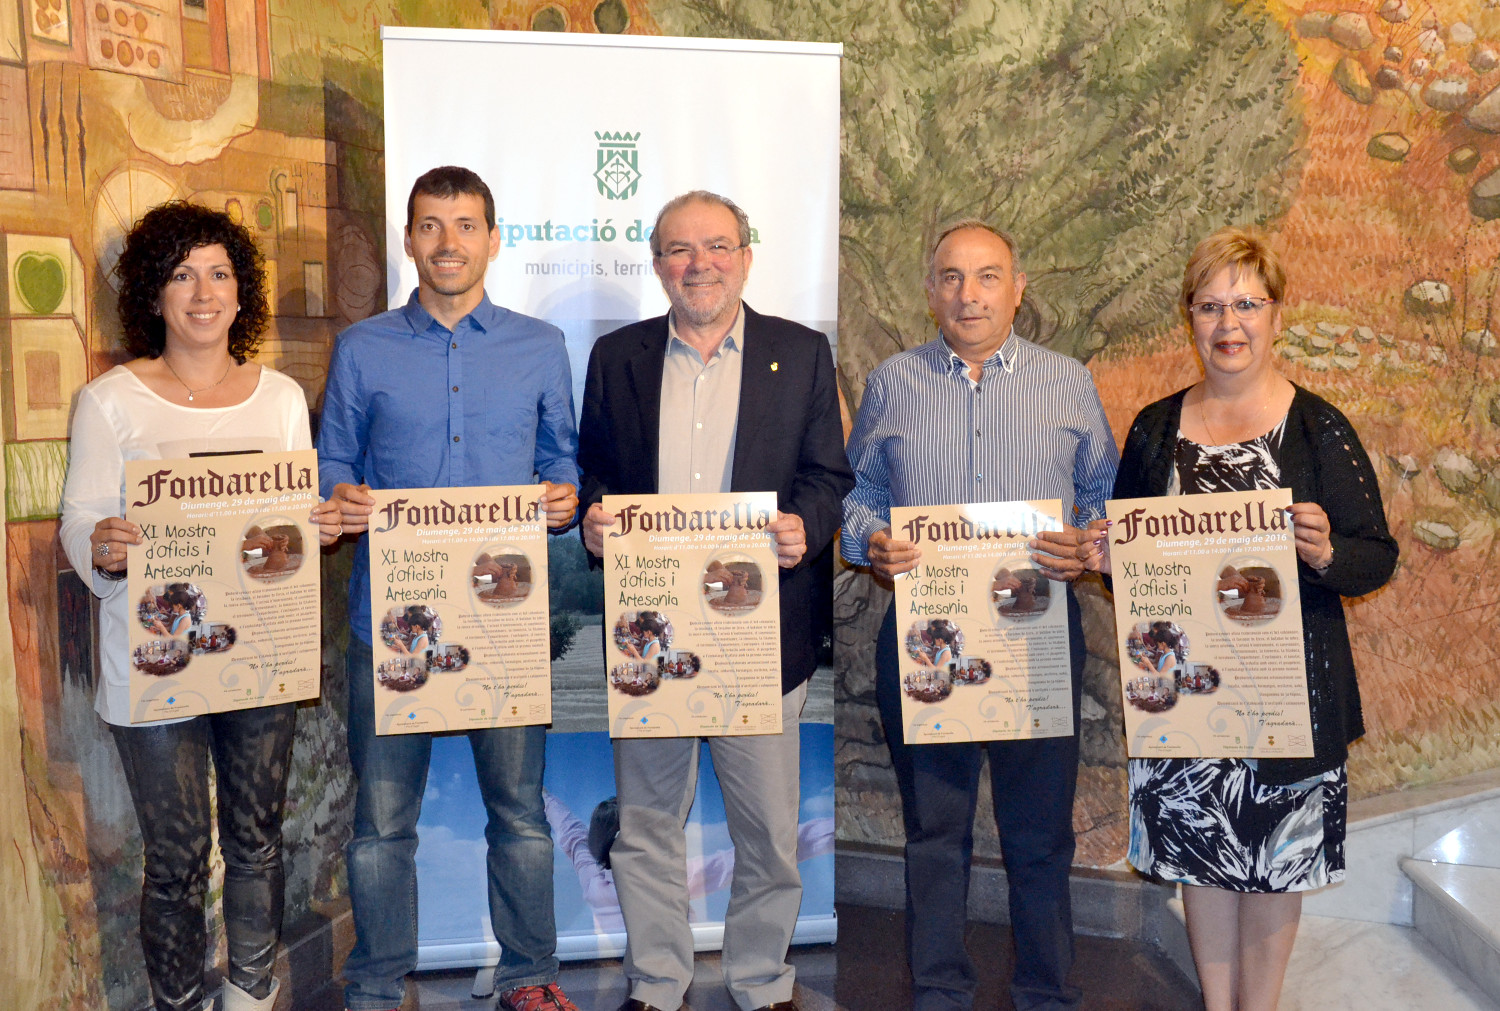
982	634
692	620
458	609
225	584
1209	618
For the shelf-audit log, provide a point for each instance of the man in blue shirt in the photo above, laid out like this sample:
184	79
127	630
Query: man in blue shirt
449	391
980	415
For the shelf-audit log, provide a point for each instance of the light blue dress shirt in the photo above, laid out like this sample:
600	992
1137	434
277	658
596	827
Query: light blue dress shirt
412	404
1032	427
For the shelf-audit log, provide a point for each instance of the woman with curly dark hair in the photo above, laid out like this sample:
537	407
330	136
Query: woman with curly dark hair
193	308
155	250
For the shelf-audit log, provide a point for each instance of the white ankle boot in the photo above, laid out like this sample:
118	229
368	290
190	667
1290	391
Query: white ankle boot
236	999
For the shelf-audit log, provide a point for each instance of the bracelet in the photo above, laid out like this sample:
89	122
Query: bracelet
1324	567
113	577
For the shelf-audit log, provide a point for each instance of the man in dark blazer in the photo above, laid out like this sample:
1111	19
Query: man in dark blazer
715	397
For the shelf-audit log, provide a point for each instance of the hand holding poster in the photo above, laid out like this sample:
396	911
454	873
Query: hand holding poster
983	647
692	615
458	605
1209	618
225	585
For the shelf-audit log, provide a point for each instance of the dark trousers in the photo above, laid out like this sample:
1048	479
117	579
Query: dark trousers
1033	783
166	768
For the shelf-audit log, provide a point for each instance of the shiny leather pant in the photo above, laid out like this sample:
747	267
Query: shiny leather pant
166	768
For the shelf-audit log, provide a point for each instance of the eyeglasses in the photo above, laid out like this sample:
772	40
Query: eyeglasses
718	252
1244	309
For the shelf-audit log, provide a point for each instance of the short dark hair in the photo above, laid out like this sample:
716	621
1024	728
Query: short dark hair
447	182
164	237
964	224
741	219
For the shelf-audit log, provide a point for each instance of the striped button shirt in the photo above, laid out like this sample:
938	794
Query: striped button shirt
1032	427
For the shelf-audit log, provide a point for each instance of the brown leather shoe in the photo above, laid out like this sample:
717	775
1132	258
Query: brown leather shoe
631	1004
781	1005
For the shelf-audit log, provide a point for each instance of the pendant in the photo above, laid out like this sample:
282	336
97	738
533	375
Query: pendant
190	395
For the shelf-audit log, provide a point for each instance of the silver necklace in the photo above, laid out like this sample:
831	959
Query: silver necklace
204	389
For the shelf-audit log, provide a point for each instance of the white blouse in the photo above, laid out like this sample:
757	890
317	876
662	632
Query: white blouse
119	418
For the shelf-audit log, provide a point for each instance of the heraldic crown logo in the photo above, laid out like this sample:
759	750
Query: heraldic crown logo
618	173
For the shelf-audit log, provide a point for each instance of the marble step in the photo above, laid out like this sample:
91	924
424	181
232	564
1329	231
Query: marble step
1456	907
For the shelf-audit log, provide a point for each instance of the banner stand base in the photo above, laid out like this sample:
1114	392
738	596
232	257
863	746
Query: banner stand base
578	948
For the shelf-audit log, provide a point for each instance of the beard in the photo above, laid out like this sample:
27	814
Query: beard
697	307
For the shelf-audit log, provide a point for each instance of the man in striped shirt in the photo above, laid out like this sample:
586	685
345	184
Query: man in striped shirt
980	415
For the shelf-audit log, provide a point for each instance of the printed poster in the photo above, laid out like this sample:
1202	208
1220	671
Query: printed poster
1209	618
458	609
225	585
983	633
692	615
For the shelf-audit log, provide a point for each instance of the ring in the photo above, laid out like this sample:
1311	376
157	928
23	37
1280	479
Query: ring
102	550
341	529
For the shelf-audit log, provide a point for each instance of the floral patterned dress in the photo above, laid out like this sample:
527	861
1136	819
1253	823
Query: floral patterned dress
1211	822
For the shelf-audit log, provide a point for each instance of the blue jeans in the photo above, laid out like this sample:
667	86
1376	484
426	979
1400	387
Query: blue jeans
1033	783
392	774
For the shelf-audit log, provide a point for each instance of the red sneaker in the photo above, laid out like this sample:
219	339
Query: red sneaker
535	998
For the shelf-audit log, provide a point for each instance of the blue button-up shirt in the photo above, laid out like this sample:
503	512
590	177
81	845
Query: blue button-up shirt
412	404
1032	427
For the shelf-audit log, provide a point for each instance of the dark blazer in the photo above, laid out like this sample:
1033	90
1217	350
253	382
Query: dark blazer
789	440
1321	461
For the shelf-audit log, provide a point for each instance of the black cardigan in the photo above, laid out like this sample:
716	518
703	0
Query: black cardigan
1322	461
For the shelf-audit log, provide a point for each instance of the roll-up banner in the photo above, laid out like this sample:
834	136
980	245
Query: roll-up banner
582	139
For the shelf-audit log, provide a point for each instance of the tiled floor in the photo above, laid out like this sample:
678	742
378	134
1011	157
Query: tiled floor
869	974
1373	967
1338	964
1115	975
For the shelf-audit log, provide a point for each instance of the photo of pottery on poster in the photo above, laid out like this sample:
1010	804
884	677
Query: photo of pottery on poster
982	633
1209	619
458	609
692	619
225	584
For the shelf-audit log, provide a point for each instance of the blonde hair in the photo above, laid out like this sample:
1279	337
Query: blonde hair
1241	251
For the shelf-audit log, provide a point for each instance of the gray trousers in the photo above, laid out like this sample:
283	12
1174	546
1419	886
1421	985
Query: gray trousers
656	780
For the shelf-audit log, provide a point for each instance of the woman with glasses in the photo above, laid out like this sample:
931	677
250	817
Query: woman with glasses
1246	838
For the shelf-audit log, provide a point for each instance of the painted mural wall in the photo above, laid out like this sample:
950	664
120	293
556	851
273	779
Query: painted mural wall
1111	138
1363	135
106	109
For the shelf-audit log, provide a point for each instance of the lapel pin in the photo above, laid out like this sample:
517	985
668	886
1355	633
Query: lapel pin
774	366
